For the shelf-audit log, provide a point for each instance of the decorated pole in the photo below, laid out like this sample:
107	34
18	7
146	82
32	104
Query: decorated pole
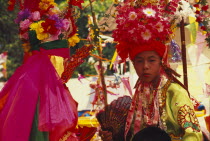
184	58
97	41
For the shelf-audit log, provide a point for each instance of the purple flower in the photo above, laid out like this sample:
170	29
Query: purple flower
22	15
176	52
59	23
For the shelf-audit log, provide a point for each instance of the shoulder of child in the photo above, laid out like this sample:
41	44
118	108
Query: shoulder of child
175	89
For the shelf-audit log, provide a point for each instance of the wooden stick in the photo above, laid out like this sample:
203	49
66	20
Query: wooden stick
99	47
184	59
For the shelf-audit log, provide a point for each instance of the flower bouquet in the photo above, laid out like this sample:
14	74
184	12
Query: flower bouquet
45	24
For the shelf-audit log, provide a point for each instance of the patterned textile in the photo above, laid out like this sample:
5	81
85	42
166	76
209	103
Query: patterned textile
179	116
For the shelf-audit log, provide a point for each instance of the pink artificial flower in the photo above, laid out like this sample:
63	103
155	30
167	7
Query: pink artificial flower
66	24
132	16
131	31
146	35
159	26
25	24
35	16
140	26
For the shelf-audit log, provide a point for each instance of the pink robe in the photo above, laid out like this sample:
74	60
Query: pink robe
37	82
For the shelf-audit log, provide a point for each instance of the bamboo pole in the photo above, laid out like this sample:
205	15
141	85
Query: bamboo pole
99	48
102	76
184	58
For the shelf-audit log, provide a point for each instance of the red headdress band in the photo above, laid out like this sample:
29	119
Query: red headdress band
157	46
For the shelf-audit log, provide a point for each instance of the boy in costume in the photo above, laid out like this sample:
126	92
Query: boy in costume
143	33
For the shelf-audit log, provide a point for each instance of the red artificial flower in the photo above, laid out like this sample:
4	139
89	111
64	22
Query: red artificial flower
197	12
76	3
205	8
74	27
45	12
198	19
49	26
11	5
196	5
23	31
203	28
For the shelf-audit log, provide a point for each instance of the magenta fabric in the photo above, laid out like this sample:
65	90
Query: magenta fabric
32	5
34	81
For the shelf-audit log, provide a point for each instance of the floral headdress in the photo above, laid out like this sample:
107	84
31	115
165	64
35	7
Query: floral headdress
42	24
143	26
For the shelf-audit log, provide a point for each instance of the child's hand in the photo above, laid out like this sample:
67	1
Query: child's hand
105	135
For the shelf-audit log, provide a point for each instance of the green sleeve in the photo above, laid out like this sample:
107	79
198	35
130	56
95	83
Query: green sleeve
181	118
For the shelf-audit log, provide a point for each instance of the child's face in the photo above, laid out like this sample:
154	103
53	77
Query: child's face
147	65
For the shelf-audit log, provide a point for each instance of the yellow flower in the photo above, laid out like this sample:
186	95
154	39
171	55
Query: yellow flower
39	30
204	32
33	26
42	36
44	4
36	25
73	40
55	10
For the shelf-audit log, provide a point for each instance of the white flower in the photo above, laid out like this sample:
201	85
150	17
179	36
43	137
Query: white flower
159	26
149	12
146	35
91	60
184	10
132	16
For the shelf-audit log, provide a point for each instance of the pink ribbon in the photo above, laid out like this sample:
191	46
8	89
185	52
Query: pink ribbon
127	85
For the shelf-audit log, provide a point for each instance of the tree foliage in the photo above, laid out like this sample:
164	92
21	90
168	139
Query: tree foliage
99	7
9	40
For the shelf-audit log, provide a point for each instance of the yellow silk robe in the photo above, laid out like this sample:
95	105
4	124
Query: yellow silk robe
182	123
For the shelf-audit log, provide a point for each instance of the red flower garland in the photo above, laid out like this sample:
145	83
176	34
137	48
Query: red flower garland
202	17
